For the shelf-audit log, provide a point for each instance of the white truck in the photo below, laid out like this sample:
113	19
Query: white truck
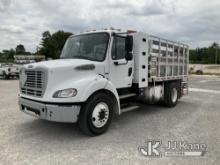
101	73
9	70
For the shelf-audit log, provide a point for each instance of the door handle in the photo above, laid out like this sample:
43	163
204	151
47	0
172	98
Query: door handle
120	62
129	71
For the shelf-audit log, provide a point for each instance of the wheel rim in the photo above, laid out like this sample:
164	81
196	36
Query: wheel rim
174	95
100	115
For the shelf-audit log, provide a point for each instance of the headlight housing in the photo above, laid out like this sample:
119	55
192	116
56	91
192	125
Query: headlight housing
65	93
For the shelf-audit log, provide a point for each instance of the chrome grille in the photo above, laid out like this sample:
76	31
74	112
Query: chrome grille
34	84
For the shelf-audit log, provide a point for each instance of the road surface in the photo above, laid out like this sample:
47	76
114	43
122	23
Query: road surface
26	140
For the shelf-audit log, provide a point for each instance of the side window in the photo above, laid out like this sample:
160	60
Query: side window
118	48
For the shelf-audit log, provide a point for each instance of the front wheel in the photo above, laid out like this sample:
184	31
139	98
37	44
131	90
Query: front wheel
96	115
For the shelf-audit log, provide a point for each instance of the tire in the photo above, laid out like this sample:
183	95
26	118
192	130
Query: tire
171	94
92	118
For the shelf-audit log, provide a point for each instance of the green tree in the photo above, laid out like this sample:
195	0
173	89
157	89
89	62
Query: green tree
8	54
52	45
20	49
193	56
209	55
11	54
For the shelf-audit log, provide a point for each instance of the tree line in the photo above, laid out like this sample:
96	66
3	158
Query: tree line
206	55
9	54
51	46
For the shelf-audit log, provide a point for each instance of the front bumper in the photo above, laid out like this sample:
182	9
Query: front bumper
50	112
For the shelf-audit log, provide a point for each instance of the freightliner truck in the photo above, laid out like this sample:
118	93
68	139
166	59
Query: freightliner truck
103	73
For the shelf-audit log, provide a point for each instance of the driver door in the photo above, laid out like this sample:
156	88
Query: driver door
121	71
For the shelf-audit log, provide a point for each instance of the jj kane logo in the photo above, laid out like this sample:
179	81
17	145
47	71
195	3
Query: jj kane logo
154	148
151	148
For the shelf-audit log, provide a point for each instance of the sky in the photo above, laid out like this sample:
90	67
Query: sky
194	22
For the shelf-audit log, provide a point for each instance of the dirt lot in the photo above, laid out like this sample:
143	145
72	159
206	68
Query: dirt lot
26	140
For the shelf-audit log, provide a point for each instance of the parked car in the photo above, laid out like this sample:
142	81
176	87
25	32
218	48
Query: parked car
8	71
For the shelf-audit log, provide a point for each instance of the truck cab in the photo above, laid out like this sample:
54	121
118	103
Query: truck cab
96	73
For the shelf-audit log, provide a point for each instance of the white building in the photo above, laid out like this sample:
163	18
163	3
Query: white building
25	59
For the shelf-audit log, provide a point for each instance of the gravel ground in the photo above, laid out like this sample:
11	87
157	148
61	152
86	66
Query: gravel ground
26	140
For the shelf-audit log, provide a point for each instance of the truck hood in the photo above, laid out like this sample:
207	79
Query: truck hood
61	63
55	75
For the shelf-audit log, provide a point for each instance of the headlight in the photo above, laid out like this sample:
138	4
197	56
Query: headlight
65	93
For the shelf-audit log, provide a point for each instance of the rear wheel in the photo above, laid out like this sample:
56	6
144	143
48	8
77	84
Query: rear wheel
96	115
171	94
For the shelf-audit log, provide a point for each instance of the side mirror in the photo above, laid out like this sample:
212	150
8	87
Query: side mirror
129	48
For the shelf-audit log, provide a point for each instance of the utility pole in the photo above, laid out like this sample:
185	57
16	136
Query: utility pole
216	46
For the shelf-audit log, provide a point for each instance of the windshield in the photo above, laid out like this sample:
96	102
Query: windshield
88	46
